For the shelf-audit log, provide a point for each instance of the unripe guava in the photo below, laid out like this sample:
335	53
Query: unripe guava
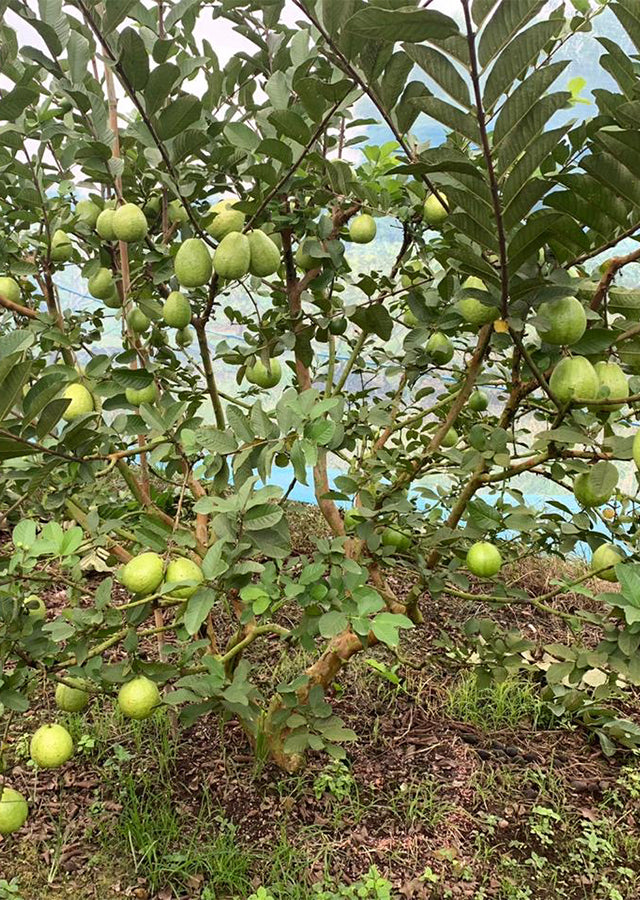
393	537
574	378
13	810
61	246
51	746
450	439
35	607
10	289
177	213
129	223
636	449
478	401
606	555
104	224
259	375
81	402
184	337
567	318
184	569
410	319
434	213
484	559
176	310
613	383
192	265
101	285
226	220
71	699
338	325
264	255
233	256
587	495
475	312
138	321
146	394
304	260
138	698
143	574
352	518
362	229
114	300
87	211
440	348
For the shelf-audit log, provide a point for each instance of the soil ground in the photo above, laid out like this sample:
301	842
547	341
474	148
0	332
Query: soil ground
449	791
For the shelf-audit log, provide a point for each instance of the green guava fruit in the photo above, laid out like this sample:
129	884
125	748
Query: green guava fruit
233	256
35	607
450	439
143	574
225	221
192	265
259	375
393	537
362	229
478	401
114	300
183	569
587	495
177	213
61	246
184	337
613	383
176	310
567	321
87	211
81	402
152	208
71	699
434	213
484	559
129	223
475	312
138	698
440	348
146	394
352	518
138	321
606	555
13	810
51	746
304	260
574	379
338	325
104	225
10	289
410	319
636	449
264	255
101	285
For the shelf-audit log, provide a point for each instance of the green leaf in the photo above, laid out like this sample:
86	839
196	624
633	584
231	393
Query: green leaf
79	54
374	320
161	81
332	623
603	477
524	98
480	9
394	78
264	516
24	534
413	25
522	52
293	126
133	58
13	103
385	626
240	135
116	12
178	116
12	386
441	70
504	25
198	608
16	341
450	116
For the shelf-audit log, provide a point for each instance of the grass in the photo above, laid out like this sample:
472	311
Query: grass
500	705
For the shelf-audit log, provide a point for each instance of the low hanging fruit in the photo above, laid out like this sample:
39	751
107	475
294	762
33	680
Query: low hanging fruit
176	310
9	289
13	810
484	559
574	379
233	256
591	496
304	260
61	246
138	698
440	348
225	219
613	384
87	212
35	607
129	223
478	401
138	321
104	225
143	574
81	402
192	265
71	699
183	569
262	376
51	746
567	321
137	397
264	255
606	555
396	539
184	337
450	439
434	211
101	285
362	229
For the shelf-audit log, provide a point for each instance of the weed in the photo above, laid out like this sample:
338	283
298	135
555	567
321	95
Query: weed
503	704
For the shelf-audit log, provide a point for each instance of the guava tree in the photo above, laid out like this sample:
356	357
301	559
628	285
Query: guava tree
196	196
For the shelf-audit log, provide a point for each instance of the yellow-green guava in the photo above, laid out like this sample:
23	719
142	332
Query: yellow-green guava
81	401
264	255
259	375
484	559
233	256
176	310
13	810
51	746
192	265
138	698
143	574
362	229
129	223
9	289
183	569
